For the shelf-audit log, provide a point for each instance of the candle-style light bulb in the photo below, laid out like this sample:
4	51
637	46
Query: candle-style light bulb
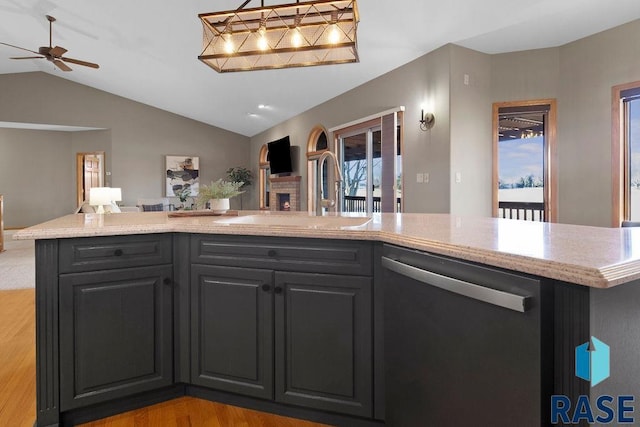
334	34
263	44
228	43
296	38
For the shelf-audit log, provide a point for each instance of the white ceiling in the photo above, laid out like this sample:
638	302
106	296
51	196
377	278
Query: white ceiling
147	50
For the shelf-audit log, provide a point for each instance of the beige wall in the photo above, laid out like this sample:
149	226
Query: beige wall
588	70
470	132
530	74
31	163
136	140
423	80
579	75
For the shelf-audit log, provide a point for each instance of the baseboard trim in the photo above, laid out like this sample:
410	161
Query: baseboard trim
114	407
118	406
280	408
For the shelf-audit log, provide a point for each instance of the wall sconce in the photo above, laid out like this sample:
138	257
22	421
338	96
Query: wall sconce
427	121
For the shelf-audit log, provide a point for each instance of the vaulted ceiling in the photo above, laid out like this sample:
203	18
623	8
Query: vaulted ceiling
147	50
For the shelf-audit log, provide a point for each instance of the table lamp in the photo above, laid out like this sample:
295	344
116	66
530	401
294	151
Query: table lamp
100	196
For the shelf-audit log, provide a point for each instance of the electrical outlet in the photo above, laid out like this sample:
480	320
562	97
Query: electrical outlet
466	79
419	178
426	177
458	177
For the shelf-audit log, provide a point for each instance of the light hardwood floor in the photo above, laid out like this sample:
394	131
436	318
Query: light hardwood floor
18	384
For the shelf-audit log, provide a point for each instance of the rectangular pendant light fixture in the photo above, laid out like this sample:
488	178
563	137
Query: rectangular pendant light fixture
300	34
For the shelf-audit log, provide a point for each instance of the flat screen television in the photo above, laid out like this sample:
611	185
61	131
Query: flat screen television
280	156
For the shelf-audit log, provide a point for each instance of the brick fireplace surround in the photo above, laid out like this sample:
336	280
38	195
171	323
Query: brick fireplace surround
280	188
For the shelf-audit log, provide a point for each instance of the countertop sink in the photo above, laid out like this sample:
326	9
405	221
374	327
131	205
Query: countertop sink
297	221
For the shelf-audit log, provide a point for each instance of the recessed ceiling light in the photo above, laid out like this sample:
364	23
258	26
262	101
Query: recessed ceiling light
262	106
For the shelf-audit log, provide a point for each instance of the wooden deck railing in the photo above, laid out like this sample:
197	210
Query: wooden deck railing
531	211
359	204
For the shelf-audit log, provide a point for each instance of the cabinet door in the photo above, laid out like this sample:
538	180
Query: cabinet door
232	329
323	342
115	334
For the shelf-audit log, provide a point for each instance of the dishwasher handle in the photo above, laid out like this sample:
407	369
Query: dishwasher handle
467	289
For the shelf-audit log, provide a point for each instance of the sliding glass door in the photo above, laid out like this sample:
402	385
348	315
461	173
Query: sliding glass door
362	171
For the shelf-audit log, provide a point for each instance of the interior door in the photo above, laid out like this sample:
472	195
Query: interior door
90	173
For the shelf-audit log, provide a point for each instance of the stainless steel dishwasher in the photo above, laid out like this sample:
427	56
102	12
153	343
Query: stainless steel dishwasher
465	344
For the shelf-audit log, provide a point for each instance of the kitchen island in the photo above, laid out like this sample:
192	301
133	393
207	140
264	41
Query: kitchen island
235	311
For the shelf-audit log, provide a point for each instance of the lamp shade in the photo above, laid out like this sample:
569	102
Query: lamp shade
116	195
99	196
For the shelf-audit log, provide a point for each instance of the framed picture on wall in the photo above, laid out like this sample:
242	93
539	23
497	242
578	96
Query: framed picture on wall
182	176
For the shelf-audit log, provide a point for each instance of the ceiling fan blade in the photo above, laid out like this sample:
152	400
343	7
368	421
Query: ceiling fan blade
57	51
21	48
27	57
61	65
79	62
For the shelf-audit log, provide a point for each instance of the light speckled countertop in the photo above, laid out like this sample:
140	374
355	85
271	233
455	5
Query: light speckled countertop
591	256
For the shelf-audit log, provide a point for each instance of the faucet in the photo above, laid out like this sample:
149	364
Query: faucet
321	202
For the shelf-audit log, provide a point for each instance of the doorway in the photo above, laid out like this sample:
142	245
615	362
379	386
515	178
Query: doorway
524	160
89	174
370	153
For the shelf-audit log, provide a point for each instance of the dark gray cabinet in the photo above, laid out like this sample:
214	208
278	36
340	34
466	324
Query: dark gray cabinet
232	329
278	332
115	334
323	342
115	297
464	344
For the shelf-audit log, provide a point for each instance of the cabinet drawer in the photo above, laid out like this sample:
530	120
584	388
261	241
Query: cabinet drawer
100	253
287	254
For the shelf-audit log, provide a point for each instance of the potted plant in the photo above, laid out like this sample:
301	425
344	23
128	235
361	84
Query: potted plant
183	194
240	174
218	194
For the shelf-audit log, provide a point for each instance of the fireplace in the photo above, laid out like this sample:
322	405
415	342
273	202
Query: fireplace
284	202
284	194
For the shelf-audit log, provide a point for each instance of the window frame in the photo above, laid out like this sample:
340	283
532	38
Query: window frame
550	155
263	169
620	154
313	154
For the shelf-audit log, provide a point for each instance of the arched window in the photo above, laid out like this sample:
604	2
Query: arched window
317	143
263	166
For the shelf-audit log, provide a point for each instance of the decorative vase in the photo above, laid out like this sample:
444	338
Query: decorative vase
219	206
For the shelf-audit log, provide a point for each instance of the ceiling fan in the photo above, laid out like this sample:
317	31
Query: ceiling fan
53	54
